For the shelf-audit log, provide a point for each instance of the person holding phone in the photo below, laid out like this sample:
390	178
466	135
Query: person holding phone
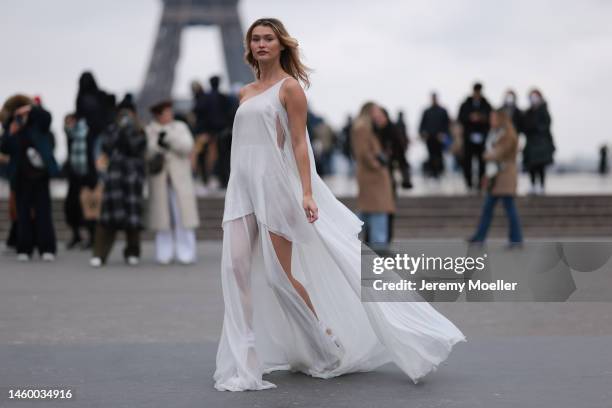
29	146
172	207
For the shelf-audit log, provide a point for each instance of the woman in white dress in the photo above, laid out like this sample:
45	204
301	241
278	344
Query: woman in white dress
291	257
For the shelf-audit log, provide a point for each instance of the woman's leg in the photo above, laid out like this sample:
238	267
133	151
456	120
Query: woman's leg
379	228
485	219
237	364
24	197
72	211
132	238
314	345
104	240
514	222
45	232
282	248
184	240
241	238
542	171
164	246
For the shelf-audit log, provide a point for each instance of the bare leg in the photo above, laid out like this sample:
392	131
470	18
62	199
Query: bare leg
294	298
282	248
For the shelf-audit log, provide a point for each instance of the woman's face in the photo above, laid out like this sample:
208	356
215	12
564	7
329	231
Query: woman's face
265	45
166	116
535	99
378	116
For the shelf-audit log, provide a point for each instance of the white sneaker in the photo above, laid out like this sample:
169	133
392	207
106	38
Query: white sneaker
186	262
95	262
23	257
133	260
48	257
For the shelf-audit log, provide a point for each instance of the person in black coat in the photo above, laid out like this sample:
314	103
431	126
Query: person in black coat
29	145
92	105
434	129
539	147
513	111
214	113
474	118
123	151
9	107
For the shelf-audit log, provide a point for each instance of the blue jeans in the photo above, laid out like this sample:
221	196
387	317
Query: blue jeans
377	225
487	216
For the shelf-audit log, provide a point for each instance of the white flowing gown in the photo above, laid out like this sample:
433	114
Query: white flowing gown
267	326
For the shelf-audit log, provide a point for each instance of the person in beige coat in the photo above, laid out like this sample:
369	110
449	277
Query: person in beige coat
375	199
500	178
172	207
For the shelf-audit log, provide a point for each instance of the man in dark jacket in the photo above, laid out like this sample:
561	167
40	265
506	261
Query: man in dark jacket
214	115
474	118
434	129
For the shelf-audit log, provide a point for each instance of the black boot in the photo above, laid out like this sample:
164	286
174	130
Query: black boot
406	183
91	229
76	239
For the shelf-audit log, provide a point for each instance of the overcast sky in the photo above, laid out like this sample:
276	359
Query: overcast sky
394	52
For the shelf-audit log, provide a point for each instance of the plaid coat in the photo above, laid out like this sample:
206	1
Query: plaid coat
122	203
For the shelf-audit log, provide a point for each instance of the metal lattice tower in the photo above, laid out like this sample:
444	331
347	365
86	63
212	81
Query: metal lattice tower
180	14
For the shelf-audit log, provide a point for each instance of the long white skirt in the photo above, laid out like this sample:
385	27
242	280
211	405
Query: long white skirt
267	325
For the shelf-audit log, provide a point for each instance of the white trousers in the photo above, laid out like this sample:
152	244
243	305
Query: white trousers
177	242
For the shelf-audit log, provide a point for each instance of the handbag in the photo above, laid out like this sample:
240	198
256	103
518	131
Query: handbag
156	163
91	201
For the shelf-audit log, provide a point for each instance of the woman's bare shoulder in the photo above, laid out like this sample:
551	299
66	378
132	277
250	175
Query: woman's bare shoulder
245	90
292	85
292	90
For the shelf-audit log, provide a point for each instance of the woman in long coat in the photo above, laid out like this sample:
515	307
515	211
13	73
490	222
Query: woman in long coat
172	208
375	198
539	149
123	148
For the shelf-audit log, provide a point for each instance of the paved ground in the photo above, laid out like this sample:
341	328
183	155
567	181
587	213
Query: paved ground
146	337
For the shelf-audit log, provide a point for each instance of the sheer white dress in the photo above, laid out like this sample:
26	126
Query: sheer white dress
267	326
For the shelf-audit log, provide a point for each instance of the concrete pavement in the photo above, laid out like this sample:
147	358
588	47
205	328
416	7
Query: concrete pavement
146	337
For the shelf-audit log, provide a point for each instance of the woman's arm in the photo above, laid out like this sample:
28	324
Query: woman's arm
502	148
179	138
294	100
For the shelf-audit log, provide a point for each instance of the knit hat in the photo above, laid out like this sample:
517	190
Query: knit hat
127	103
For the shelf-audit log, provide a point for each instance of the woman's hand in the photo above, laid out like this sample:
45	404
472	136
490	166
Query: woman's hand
102	163
310	208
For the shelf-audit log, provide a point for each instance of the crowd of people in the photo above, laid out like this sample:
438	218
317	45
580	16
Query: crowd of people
483	141
114	158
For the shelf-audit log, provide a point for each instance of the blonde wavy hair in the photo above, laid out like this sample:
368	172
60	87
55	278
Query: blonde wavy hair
289	57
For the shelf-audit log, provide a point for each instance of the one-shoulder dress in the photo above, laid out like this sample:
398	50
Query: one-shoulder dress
267	326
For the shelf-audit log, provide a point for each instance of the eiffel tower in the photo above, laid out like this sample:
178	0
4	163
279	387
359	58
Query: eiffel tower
178	15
